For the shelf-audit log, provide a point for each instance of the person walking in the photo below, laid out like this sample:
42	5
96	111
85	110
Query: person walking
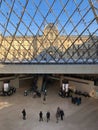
24	114
40	116
61	114
44	99
57	114
48	116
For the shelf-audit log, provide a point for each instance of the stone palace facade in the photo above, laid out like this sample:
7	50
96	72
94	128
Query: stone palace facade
51	43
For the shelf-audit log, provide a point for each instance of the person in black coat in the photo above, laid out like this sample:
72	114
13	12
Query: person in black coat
61	114
24	114
40	116
48	116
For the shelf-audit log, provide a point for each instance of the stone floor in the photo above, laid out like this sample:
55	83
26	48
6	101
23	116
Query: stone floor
83	117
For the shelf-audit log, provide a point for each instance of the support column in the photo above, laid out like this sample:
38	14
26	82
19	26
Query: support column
15	83
61	79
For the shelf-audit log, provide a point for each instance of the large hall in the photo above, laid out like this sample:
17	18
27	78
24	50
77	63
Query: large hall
49	63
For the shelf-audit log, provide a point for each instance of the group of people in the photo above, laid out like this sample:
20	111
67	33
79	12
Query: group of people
65	92
76	100
59	115
41	116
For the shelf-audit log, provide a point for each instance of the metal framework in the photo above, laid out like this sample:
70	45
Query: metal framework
24	22
94	6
